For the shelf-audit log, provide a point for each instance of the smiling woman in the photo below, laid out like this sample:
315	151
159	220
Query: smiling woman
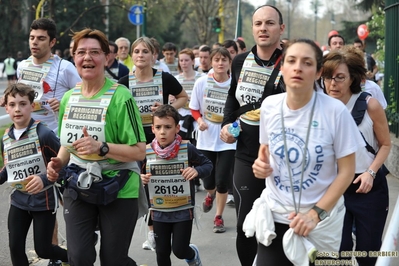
89	140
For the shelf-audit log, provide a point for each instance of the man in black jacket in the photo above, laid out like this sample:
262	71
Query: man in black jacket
255	75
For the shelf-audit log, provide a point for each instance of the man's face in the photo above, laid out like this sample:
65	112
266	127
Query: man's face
123	49
112	55
336	43
266	28
169	56
205	60
358	45
40	44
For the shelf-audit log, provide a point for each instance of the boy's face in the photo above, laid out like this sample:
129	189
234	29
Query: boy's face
169	56
165	130
19	109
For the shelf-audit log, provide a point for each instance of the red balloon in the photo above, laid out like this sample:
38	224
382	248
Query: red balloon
362	32
333	32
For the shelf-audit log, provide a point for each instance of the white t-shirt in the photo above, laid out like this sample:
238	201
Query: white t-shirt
364	158
182	111
208	139
375	91
328	141
67	79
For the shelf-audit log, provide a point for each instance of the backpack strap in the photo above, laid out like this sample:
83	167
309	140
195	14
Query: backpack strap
358	111
360	107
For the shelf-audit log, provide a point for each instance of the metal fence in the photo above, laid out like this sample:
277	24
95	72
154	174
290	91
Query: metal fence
391	75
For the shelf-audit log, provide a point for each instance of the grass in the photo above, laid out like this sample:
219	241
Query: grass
2	129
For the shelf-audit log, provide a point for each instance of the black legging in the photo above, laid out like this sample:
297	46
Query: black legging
274	253
180	233
247	188
19	222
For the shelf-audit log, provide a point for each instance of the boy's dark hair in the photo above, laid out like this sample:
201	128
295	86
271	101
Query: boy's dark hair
169	47
333	36
166	110
206	48
195	47
230	43
111	43
20	89
45	24
357	40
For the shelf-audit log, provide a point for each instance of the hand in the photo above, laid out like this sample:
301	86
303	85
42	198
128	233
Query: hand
366	183
303	223
189	173
53	169
54	104
86	145
155	106
145	178
35	184
261	167
226	136
202	125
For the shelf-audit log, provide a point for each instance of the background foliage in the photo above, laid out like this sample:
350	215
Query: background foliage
185	23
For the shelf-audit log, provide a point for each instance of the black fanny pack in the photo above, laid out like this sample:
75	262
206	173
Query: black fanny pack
99	193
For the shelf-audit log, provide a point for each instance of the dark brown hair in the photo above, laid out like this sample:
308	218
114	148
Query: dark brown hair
353	58
20	89
91	34
166	110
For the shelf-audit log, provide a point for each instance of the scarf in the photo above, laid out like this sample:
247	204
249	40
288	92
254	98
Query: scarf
168	152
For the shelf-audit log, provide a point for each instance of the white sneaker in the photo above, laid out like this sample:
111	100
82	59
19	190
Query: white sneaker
230	200
150	244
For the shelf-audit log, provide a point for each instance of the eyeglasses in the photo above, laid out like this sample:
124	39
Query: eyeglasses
337	79
92	53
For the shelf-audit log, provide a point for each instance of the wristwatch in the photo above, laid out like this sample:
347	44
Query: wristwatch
372	173
320	212
104	149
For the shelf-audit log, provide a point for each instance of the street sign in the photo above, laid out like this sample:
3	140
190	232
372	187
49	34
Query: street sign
135	15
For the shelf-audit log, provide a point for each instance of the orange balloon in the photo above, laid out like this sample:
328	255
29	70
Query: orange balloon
333	32
362	32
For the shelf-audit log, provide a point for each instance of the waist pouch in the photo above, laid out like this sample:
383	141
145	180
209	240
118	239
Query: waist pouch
99	193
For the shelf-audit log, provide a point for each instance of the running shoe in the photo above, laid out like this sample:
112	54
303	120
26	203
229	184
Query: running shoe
218	225
196	261
207	204
150	244
230	200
